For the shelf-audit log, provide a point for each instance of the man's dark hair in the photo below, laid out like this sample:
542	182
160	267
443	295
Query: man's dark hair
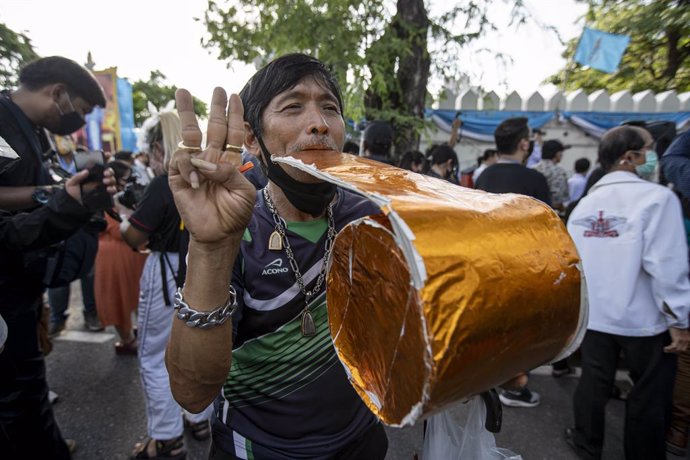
442	153
552	148
488	153
281	75
378	136
616	141
509	134
582	165
57	69
412	157
351	147
663	132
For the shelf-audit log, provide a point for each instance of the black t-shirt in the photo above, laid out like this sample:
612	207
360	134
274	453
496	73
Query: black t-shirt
157	216
514	178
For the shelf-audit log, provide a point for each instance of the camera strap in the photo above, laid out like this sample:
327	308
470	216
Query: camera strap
164	277
41	177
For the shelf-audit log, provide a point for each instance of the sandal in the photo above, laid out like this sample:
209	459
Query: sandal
126	348
200	431
172	449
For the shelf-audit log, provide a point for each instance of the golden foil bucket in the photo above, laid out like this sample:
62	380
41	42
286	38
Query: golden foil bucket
451	292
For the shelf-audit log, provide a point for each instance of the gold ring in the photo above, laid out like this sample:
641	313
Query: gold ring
181	146
233	148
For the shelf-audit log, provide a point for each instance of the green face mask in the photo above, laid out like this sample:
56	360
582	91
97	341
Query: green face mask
647	169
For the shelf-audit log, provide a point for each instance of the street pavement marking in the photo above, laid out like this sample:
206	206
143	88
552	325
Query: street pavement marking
89	337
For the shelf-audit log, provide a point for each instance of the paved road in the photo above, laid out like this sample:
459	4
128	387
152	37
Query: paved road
101	405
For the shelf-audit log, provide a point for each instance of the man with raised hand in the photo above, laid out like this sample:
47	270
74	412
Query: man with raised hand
260	259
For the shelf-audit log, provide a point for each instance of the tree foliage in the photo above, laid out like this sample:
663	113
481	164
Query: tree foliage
658	57
380	51
155	91
15	50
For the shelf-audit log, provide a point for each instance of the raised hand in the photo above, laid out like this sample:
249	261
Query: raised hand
214	200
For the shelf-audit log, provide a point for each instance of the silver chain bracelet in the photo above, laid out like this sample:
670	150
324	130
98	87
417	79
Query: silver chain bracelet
205	319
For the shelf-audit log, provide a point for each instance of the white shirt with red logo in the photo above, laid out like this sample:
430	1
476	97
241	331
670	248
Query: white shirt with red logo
630	235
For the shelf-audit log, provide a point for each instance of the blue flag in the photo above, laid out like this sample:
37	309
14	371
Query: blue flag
601	50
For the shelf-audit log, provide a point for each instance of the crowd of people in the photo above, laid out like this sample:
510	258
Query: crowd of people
182	235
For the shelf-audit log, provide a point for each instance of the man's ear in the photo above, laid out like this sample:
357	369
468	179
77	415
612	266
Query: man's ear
55	90
251	142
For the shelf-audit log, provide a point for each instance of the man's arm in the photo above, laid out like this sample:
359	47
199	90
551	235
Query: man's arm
216	203
198	360
664	258
454	132
17	198
59	218
133	236
676	163
46	225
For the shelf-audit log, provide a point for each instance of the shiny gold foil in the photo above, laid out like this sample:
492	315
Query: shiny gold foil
490	287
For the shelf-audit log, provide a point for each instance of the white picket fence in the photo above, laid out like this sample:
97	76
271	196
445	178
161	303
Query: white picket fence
582	144
598	101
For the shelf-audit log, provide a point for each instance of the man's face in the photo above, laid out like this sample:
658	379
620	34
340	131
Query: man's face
306	117
61	103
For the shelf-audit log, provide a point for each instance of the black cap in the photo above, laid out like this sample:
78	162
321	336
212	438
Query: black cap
378	133
552	147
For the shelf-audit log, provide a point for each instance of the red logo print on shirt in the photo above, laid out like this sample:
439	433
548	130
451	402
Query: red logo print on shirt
601	227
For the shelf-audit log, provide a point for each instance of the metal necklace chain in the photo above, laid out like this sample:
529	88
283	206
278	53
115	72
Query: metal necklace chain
308	329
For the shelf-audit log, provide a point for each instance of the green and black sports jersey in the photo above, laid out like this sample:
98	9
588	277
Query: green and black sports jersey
287	396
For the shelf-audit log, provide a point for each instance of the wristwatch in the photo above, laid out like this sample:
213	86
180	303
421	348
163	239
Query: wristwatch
41	195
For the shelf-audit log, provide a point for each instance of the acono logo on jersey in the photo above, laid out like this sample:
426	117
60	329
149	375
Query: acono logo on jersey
275	267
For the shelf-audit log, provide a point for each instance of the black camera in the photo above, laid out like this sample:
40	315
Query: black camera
98	197
131	195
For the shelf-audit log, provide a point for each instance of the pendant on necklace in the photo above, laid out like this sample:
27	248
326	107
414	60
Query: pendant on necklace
308	326
275	242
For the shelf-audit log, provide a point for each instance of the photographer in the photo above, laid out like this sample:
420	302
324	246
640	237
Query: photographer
54	93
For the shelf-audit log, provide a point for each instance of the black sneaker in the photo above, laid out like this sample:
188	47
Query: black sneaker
560	372
522	398
570	440
56	328
92	323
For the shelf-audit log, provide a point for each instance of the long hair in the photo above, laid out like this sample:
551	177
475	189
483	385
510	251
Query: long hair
163	127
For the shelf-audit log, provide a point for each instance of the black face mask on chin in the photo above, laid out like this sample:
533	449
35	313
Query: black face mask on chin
310	198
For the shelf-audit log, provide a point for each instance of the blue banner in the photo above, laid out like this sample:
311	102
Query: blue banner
601	50
597	123
126	109
481	124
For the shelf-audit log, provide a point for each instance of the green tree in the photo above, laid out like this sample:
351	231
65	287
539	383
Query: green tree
379	51
15	50
657	58
156	92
